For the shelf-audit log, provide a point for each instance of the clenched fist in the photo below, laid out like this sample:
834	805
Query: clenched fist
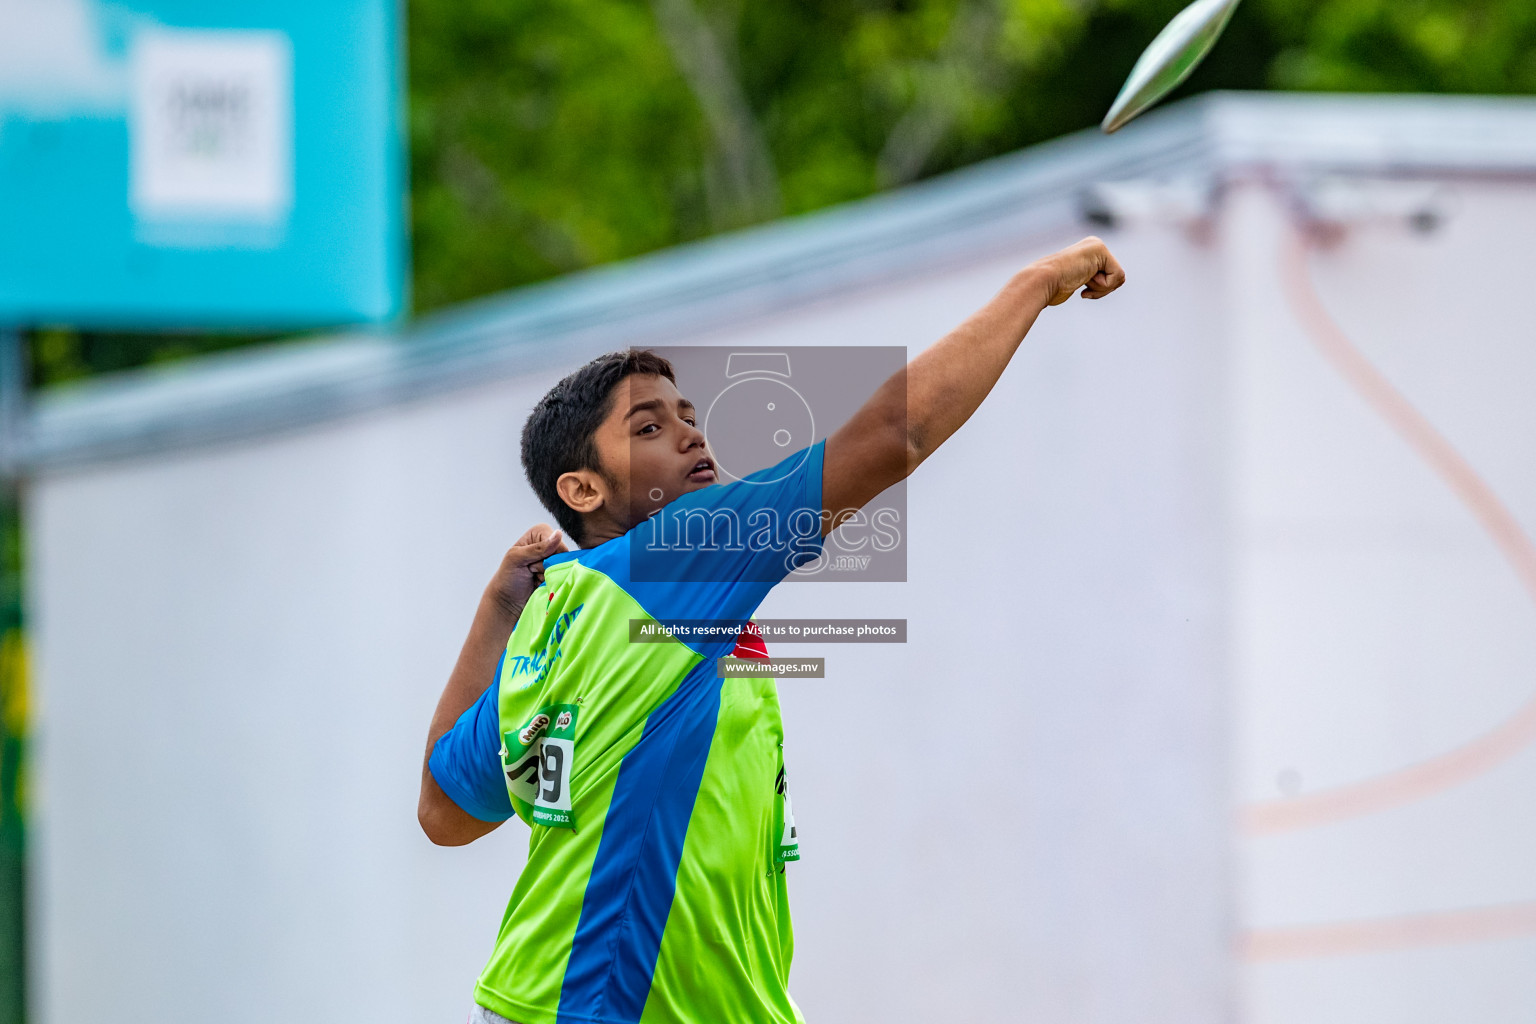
1088	265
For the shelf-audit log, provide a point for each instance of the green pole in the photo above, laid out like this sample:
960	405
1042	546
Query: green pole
13	684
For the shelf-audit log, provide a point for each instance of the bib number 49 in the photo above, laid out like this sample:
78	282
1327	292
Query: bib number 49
537	760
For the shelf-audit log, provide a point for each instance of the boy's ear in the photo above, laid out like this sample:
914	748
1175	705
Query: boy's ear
584	490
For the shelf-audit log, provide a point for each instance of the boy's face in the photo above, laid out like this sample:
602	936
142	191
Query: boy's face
651	450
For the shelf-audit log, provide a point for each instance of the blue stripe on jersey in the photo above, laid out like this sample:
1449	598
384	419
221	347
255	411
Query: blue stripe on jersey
710	581
466	760
634	874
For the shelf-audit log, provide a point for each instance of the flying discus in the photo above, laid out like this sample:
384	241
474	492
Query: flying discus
1177	50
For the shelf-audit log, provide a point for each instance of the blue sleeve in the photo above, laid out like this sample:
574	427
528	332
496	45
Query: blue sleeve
715	553
466	760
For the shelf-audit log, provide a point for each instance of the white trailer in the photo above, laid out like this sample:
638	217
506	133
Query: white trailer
1217	700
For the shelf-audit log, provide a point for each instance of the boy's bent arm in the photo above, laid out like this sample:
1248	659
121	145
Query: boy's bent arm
521	571
918	409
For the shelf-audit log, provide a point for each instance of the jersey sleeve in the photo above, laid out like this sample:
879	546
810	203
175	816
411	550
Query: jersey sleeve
716	552
466	760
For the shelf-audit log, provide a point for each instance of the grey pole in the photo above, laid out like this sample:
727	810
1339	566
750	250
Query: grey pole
13	403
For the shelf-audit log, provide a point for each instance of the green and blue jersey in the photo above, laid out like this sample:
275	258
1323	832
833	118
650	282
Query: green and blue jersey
654	886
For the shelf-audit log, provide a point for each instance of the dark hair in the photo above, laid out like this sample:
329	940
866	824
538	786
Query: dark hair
558	437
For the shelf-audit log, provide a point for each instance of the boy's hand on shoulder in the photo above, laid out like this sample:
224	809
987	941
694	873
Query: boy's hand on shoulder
519	575
1088	265
522	567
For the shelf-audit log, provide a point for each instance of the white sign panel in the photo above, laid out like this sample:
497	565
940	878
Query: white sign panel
211	126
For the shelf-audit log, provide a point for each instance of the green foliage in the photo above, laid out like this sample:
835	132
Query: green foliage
544	137
547	137
550	136
1486	46
60	354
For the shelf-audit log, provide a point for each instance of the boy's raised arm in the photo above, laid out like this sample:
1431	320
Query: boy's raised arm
520	573
920	407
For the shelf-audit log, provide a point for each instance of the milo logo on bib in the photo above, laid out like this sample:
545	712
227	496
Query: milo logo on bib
534	728
538	761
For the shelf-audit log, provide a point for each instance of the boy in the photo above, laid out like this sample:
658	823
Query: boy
654	887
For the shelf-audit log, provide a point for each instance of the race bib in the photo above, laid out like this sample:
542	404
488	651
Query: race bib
538	760
788	847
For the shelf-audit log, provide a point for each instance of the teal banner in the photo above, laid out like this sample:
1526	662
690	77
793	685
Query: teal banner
171	164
